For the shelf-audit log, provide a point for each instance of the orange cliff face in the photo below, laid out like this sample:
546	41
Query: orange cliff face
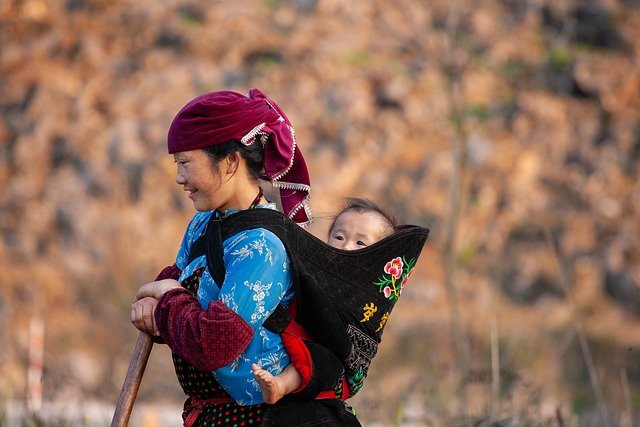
379	96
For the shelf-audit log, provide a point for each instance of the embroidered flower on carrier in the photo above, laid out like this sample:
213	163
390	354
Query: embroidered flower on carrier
397	272
404	280
386	291
394	267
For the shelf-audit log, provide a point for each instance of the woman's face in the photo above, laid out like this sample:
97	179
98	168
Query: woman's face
207	185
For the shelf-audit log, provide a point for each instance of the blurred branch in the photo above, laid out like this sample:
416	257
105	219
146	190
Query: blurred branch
627	420
495	368
454	62
577	324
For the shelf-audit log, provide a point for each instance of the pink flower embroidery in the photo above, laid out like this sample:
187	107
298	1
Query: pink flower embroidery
387	291
404	281
394	267
397	272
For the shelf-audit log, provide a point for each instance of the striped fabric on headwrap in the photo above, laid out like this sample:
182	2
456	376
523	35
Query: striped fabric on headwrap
217	117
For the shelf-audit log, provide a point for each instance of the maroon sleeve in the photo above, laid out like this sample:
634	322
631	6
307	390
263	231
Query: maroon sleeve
208	339
169	272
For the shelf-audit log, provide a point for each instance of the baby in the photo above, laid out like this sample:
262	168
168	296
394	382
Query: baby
359	224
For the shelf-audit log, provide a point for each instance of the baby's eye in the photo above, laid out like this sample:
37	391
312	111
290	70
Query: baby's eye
338	237
361	243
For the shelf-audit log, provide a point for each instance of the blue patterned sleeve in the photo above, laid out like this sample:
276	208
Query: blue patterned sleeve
258	275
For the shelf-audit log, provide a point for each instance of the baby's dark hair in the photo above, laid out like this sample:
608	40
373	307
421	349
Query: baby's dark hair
365	205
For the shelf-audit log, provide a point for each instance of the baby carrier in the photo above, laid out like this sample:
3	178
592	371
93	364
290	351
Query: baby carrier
344	298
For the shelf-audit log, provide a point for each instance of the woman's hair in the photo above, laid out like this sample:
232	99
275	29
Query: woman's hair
365	205
253	154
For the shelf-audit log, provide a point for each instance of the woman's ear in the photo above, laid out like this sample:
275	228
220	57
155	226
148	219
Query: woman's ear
233	162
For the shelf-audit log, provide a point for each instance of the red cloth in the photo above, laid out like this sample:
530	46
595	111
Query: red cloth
299	356
293	339
218	117
208	339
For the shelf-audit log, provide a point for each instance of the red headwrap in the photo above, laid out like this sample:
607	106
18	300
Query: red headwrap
217	117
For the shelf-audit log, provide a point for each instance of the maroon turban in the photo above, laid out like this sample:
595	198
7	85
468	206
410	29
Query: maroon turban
217	117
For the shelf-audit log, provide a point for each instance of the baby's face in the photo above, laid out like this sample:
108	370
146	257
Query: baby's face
356	230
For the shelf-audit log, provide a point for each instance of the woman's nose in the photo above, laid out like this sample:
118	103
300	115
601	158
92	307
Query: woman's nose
180	179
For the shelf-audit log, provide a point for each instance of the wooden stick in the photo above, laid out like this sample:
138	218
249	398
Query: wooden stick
131	384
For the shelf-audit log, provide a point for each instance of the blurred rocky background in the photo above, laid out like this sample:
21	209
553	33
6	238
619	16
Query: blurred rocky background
510	128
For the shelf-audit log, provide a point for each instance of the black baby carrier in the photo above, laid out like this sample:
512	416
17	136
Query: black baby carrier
344	297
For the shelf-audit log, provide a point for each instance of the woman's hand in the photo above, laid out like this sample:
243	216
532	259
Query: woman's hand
143	308
156	289
142	315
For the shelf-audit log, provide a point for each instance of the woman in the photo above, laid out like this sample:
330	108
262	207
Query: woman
223	143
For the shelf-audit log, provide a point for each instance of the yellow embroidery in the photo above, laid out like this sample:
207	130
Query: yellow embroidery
383	321
369	310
